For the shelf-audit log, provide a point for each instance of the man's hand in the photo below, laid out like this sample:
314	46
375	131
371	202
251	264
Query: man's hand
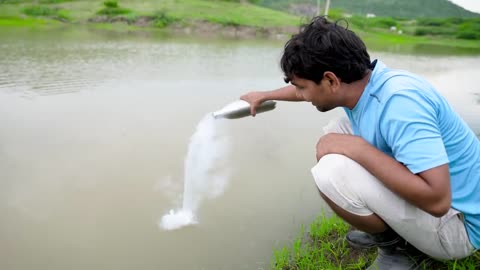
255	99
335	143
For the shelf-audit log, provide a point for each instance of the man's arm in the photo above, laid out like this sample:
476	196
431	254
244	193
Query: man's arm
418	168
287	93
429	190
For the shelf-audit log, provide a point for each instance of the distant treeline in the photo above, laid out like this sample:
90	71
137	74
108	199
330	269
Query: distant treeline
462	28
383	8
442	18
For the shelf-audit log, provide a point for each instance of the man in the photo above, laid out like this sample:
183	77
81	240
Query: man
404	168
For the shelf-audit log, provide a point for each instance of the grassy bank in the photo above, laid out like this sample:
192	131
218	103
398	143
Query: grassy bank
324	247
243	20
225	13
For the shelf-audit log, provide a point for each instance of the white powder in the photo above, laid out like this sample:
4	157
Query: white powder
205	175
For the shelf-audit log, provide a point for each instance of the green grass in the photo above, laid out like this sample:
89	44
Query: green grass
409	9
111	8
47	12
213	11
217	11
37	23
324	247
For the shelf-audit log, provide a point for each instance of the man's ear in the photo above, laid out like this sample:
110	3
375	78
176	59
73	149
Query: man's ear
332	80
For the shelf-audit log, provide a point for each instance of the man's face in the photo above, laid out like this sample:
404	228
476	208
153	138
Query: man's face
320	95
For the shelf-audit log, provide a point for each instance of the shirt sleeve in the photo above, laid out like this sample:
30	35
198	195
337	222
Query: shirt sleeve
409	126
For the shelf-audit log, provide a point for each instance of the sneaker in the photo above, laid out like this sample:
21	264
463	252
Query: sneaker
396	259
363	240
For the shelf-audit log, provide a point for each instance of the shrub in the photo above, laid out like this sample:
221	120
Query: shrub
43	11
456	20
420	31
470	26
468	34
435	31
111	4
162	19
112	9
433	22
40	11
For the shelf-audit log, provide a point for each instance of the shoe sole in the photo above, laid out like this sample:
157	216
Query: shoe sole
373	245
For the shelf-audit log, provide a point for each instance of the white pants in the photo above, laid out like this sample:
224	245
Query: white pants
354	189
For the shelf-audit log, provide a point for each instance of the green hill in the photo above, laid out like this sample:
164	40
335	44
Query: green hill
246	19
216	11
383	8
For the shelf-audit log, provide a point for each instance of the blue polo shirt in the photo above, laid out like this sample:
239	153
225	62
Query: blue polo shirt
405	117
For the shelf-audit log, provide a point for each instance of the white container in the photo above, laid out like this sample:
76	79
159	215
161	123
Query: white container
241	108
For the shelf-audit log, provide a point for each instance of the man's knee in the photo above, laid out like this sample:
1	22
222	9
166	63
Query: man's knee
343	181
328	169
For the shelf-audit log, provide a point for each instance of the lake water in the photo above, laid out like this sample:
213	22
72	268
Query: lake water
95	129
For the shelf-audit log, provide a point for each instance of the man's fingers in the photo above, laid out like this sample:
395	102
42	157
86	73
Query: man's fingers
253	111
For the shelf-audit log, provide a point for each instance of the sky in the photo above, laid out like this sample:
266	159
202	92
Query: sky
472	5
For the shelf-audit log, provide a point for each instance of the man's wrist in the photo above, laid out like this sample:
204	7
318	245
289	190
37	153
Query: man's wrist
358	146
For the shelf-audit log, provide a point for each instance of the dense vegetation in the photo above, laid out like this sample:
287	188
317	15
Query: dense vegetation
383	8
460	28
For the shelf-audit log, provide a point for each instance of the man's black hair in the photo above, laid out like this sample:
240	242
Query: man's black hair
323	46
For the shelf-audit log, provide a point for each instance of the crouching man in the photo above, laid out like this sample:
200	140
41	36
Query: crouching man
402	167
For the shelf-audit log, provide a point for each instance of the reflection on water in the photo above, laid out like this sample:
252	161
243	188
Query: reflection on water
94	136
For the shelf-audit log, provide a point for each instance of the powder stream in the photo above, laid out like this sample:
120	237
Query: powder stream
205	175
